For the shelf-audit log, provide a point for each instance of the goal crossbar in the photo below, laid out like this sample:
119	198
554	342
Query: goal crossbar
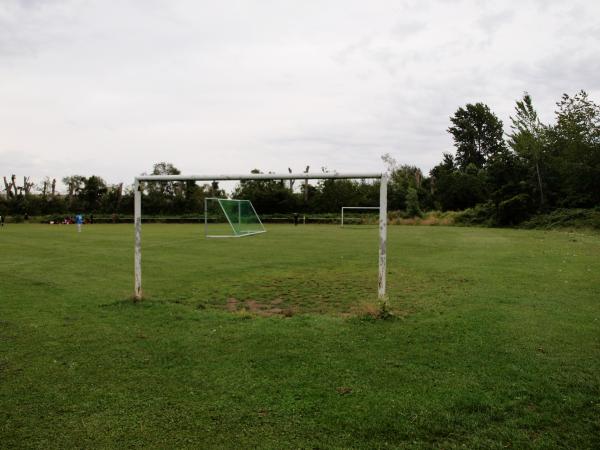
381	285
262	176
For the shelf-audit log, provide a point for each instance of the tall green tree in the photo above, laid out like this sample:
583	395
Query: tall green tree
403	177
91	194
167	188
455	189
527	139
412	203
267	196
575	139
477	133
163	197
74	184
506	188
333	194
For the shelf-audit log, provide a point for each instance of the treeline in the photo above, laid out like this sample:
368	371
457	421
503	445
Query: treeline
92	195
498	177
534	168
501	178
84	194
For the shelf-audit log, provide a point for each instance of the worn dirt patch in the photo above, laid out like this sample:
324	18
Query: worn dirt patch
254	306
232	304
273	308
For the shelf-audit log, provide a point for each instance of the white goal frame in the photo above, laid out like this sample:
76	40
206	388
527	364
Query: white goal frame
355	207
137	211
206	199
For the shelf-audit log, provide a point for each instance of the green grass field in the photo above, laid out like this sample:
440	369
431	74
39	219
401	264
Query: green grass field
263	341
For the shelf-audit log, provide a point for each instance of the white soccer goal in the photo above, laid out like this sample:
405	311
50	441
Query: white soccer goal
137	209
224	217
347	219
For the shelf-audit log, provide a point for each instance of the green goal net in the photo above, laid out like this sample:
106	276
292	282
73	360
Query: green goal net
230	218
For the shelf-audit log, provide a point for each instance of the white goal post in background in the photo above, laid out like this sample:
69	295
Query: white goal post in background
360	208
137	293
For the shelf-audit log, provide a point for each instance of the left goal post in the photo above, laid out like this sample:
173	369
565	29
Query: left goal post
137	185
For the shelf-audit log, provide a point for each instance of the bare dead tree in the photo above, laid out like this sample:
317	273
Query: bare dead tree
418	177
306	185
27	185
119	195
8	187
53	186
13	179
291	181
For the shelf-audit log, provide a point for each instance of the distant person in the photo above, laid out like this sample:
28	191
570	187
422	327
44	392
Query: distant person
79	222
296	217
1	221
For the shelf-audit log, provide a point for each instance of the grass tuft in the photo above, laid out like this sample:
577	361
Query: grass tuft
378	310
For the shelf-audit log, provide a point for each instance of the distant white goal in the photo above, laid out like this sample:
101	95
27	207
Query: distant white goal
224	217
356	215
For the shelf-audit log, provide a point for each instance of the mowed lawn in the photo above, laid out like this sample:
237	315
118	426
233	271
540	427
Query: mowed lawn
262	341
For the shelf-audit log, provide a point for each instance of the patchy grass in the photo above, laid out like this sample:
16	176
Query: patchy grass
496	341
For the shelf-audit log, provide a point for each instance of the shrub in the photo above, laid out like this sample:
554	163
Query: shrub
481	214
566	218
514	210
412	203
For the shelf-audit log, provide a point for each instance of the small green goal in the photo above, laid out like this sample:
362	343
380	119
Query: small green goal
224	217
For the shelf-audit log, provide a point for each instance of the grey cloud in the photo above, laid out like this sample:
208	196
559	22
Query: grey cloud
350	50
491	22
404	30
561	72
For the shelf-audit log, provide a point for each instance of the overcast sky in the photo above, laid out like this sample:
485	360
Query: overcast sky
110	87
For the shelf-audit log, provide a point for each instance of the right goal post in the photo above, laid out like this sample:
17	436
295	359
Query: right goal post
137	211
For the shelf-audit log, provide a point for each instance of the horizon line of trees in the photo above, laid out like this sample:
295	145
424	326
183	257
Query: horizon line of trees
504	177
537	168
